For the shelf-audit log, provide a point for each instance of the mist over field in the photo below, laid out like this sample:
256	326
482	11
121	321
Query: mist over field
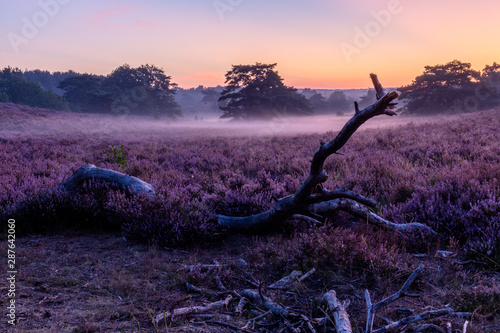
18	120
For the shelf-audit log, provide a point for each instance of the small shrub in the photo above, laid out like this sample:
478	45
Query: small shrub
117	156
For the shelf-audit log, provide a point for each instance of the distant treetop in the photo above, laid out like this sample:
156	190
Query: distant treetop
258	92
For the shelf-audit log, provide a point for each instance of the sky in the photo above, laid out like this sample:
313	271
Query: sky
325	44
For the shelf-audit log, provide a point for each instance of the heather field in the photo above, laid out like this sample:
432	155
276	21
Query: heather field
102	261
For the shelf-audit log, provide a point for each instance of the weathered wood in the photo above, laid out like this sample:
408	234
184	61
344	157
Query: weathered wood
265	302
386	301
307	275
400	293
241	306
128	184
412	319
304	201
287	280
424	328
340	316
192	310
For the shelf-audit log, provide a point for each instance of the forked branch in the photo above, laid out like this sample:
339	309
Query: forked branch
305	202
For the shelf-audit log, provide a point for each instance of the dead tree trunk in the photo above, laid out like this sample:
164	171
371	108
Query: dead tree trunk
128	184
305	202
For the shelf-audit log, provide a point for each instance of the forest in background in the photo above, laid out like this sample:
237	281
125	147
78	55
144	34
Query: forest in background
251	92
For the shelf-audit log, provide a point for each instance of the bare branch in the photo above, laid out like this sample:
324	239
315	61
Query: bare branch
355	209
192	310
241	305
265	302
286	281
340	316
304	201
378	87
401	292
412	319
306	219
307	275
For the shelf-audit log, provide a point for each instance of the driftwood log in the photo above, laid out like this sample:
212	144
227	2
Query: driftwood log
128	184
306	201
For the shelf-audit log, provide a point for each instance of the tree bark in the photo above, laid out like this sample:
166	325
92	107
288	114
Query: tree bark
128	184
340	316
305	202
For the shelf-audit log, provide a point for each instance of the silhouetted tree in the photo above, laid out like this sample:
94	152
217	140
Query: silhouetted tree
368	98
441	88
211	97
48	80
488	91
257	91
16	89
84	94
318	102
339	103
142	90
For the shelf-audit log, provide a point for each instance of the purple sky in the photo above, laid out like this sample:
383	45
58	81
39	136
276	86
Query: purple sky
316	43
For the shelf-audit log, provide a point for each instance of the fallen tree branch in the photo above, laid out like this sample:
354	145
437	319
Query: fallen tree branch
306	219
265	302
425	328
286	281
306	201
340	316
226	325
355	209
386	301
241	306
412	319
128	184
401	292
192	310
307	275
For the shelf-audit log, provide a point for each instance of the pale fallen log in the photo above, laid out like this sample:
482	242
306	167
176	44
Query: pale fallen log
114	179
340	316
192	310
265	302
287	280
241	306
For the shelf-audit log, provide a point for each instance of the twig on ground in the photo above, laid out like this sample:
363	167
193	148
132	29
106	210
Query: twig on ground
340	316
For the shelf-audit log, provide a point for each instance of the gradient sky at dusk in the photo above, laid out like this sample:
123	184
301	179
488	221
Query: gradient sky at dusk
196	42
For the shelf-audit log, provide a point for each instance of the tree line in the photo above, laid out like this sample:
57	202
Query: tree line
252	91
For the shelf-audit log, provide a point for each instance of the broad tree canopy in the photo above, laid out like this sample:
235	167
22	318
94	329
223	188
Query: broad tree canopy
440	87
145	90
257	91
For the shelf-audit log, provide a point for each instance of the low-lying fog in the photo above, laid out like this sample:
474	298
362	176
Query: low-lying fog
16	123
